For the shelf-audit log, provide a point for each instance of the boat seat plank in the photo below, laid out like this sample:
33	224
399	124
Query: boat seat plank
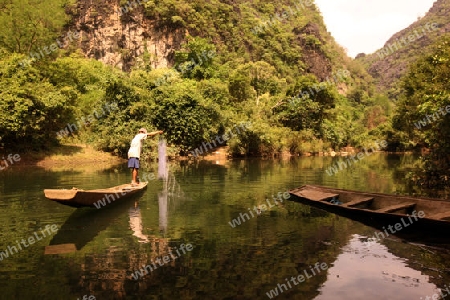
441	215
358	202
395	207
60	249
315	195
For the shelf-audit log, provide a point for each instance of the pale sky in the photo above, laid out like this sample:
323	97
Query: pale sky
365	25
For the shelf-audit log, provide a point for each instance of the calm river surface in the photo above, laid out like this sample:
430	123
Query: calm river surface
254	260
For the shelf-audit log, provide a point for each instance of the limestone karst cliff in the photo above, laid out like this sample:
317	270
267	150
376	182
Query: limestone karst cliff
120	38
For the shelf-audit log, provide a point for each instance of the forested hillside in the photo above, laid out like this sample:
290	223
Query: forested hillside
388	64
413	69
95	72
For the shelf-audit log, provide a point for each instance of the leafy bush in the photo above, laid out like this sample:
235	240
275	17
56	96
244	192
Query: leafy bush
35	107
182	112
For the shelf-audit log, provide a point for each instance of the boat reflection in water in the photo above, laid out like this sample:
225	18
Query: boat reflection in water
84	224
109	275
356	274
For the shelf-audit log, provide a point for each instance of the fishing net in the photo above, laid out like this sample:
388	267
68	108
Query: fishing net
162	159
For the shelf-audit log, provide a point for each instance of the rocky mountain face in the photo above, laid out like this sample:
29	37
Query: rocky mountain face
119	35
316	61
388	64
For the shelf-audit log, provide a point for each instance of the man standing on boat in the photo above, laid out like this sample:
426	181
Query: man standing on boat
135	152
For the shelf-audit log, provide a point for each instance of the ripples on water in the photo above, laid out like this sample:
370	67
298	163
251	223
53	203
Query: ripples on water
195	205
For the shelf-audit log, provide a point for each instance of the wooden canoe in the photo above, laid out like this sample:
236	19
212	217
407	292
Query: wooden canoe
94	198
379	210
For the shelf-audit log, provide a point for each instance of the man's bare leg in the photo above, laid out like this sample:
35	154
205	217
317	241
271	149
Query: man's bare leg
134	176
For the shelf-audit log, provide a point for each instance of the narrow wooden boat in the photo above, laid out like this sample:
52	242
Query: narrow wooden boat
95	198
390	212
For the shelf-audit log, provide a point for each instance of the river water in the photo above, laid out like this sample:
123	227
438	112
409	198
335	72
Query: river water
181	231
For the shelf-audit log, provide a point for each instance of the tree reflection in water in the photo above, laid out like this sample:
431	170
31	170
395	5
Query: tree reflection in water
356	274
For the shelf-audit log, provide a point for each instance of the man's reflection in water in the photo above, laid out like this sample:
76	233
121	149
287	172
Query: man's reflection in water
136	223
170	193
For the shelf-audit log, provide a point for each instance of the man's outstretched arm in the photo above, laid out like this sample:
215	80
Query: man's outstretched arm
155	133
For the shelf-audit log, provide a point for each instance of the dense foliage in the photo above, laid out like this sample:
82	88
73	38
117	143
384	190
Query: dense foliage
272	65
423	112
32	107
29	25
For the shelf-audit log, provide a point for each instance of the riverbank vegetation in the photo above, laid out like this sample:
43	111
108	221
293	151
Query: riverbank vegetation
422	116
281	76
244	77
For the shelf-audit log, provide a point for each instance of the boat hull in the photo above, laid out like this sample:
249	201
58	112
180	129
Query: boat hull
373	210
93	198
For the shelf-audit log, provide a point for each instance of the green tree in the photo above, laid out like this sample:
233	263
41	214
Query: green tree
27	25
195	59
422	110
307	104
112	132
37	110
181	111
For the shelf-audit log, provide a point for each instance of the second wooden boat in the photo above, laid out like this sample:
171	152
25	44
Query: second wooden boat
94	198
401	213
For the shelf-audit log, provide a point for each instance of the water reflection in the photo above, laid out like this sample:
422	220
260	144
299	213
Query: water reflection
369	271
163	211
84	224
135	276
194	205
136	223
